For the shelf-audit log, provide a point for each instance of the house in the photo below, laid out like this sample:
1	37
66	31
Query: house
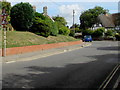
96	26
45	13
110	21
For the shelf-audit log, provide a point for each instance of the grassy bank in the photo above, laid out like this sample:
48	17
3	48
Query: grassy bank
18	39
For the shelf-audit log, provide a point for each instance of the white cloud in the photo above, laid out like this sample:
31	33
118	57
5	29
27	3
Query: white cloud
66	11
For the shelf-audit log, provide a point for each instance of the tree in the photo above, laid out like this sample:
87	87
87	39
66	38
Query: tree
64	31
60	20
40	27
72	33
89	17
43	25
6	5
39	15
22	15
87	32
61	23
75	27
54	31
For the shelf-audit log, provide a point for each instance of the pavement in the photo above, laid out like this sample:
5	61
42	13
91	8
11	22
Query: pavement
42	53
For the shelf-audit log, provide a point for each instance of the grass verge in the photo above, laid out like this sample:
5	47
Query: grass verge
18	39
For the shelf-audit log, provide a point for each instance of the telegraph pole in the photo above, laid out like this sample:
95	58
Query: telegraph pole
73	20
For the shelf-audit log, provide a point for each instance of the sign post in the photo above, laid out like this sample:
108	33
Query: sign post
4	23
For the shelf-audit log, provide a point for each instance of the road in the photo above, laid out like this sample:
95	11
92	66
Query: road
83	68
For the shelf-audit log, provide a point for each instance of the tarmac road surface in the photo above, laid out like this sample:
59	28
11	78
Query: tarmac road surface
82	68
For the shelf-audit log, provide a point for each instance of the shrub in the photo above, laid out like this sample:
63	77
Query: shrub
98	32
72	33
87	32
64	30
22	15
40	27
54	30
53	26
117	35
77	30
109	33
44	26
101	29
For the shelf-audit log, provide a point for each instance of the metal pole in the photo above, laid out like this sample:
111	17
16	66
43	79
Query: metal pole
4	41
73	20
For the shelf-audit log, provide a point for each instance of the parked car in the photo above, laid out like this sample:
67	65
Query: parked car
87	38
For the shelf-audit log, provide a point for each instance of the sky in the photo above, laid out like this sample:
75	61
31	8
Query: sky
65	8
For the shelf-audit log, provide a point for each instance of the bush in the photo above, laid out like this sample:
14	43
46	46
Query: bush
77	30
53	26
98	32
40	27
87	32
22	15
64	30
54	30
72	33
117	35
109	33
44	26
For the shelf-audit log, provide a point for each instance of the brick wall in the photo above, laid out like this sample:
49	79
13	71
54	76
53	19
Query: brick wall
25	49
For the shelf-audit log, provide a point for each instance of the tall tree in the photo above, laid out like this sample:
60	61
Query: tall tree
89	17
75	26
43	25
22	15
60	20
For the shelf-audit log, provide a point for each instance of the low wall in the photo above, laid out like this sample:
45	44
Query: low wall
26	49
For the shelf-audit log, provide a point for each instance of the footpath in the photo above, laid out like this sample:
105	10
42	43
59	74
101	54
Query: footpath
42	53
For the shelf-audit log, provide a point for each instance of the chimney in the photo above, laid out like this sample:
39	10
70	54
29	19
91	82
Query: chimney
34	8
45	10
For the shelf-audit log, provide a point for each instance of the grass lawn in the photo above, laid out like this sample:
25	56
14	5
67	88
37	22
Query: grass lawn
19	38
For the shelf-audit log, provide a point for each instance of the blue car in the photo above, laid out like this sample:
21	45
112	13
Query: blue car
87	38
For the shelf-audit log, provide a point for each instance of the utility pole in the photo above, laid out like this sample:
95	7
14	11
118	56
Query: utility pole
73	20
